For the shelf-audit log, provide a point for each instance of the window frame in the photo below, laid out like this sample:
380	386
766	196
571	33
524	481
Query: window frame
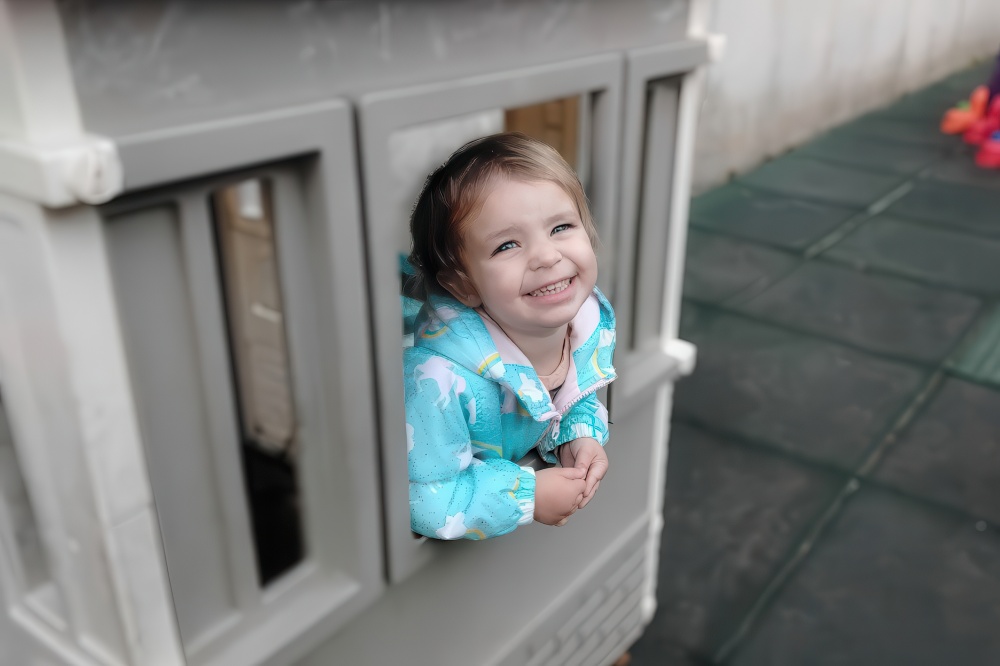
662	97
598	79
307	153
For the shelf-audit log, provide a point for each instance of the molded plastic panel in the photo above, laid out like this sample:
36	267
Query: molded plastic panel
143	67
42	405
598	79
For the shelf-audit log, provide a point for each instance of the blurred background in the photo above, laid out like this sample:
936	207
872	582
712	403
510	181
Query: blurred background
794	70
833	467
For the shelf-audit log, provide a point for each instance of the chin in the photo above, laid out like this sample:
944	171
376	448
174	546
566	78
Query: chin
557	320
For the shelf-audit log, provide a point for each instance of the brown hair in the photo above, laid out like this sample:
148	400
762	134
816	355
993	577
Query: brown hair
456	190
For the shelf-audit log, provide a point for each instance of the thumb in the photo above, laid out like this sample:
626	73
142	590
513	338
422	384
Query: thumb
571	473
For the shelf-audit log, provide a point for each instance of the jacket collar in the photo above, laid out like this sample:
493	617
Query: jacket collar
459	333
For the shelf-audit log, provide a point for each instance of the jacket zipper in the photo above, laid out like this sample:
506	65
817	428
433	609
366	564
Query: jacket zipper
551	432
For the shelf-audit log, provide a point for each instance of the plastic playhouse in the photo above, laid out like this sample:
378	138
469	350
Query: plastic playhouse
202	209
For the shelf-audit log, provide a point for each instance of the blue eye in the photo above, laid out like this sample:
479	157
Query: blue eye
509	245
561	227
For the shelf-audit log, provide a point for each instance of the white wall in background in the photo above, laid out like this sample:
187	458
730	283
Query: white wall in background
794	68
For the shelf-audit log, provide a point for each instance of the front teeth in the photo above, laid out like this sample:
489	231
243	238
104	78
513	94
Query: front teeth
551	289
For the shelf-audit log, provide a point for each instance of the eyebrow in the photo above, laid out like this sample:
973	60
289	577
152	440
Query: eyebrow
497	235
568	214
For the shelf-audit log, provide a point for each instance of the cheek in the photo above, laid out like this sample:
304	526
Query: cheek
588	266
587	257
499	280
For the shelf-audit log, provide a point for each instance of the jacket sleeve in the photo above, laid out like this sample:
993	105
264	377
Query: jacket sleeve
587	418
452	494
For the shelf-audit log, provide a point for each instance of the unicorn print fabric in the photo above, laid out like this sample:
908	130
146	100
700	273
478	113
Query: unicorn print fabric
475	406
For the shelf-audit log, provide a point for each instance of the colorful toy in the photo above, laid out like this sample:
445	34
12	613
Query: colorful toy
958	119
988	156
983	129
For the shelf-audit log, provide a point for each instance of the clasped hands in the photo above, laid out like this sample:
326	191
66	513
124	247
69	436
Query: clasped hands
560	491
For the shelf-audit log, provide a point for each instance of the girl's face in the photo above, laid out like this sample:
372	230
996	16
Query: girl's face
528	259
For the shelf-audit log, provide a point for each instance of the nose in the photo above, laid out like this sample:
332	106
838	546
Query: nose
545	255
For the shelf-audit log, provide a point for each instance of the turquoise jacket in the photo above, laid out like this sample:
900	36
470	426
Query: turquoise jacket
475	406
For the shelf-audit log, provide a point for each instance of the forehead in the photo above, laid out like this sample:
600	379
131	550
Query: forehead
511	201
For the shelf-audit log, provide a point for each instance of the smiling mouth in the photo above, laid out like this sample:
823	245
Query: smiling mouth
553	288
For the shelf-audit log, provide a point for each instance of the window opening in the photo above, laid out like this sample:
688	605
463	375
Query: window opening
556	122
244	227
652	236
416	150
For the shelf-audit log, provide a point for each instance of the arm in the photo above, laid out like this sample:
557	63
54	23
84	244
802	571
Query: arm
587	418
452	494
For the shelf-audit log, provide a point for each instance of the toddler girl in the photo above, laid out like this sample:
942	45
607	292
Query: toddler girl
510	347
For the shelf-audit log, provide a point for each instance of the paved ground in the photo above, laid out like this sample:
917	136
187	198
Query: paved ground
833	494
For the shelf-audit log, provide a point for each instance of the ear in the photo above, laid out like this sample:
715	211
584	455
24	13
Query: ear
460	286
